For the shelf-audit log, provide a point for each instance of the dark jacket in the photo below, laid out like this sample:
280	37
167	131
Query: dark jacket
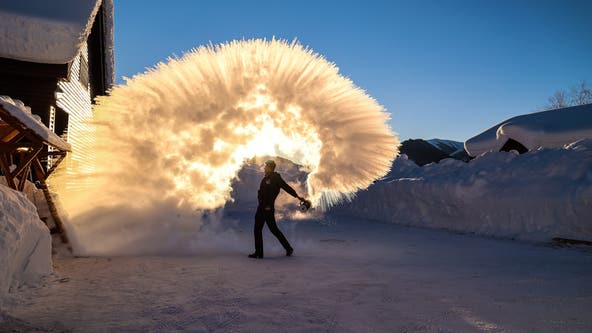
270	188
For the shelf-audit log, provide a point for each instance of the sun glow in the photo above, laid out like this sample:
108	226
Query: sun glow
273	132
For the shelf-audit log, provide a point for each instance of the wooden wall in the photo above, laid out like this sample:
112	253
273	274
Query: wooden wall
34	84
73	97
69	88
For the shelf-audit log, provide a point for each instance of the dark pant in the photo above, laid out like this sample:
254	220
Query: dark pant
261	217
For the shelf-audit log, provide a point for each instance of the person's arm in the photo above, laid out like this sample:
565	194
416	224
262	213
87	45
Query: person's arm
288	188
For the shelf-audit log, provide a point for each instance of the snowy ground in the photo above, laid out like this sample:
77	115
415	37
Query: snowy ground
347	276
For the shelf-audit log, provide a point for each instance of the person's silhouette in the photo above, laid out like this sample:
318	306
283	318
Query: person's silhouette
269	189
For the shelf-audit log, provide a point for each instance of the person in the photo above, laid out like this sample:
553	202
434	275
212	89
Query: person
269	189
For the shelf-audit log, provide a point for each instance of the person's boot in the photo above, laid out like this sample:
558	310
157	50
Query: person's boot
289	252
256	255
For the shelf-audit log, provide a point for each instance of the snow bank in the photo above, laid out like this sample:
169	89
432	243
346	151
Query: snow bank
25	243
37	197
49	32
535	196
23	114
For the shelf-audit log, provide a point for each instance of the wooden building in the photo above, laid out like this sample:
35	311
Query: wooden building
56	56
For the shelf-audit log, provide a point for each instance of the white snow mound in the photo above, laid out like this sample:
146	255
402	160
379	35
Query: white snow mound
535	196
25	242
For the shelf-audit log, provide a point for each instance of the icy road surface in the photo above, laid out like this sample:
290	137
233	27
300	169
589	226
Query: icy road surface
346	276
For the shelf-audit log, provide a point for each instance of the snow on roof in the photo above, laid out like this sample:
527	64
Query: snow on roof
551	128
22	113
42	31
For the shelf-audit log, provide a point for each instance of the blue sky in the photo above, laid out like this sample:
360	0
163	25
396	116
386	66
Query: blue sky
445	69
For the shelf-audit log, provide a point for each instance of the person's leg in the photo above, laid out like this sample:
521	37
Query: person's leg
258	231
272	225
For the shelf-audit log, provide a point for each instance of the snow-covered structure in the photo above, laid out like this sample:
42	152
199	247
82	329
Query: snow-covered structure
552	128
22	114
24	142
56	57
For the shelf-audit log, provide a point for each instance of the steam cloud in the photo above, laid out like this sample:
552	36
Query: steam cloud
177	135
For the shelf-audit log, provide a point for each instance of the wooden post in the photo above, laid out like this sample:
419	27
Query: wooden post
56	163
6	171
52	207
23	180
27	163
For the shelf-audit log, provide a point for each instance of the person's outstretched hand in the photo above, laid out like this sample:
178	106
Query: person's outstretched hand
304	204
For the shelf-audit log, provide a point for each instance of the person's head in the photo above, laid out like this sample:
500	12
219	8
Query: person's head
269	166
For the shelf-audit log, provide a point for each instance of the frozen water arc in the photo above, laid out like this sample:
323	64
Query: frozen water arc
181	131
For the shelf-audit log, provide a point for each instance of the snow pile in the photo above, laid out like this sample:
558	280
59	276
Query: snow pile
37	197
49	32
25	243
22	113
535	196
